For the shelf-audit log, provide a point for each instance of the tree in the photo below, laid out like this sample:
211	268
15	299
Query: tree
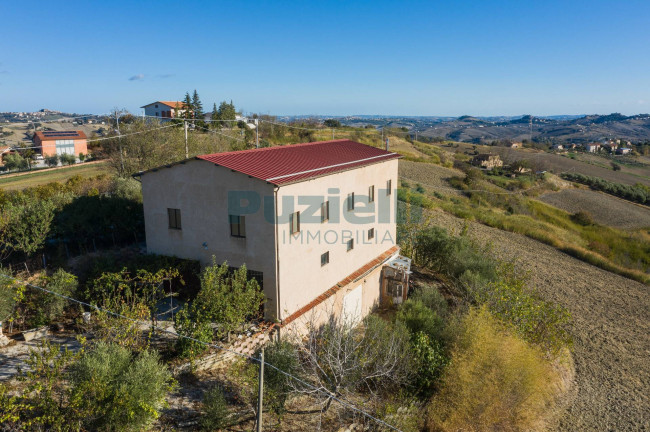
342	358
187	105
29	224
7	296
68	159
114	390
197	106
15	162
52	161
225	113
82	157
332	123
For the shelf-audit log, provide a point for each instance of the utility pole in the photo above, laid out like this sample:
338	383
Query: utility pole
257	134
332	134
117	123
416	134
186	147
387	146
260	392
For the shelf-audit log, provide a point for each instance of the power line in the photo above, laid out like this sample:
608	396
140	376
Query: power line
219	347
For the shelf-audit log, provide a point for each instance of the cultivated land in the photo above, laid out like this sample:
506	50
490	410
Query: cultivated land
611	328
605	209
23	180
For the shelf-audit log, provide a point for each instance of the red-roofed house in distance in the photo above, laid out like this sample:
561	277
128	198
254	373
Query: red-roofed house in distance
314	222
51	143
164	109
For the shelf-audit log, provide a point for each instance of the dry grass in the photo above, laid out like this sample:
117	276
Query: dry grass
495	381
62	174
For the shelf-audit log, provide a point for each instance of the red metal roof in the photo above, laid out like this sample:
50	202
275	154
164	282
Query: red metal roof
298	162
57	135
171	104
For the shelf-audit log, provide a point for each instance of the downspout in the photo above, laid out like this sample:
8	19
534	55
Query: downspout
277	256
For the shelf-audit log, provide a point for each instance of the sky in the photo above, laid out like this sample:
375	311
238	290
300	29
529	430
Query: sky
430	58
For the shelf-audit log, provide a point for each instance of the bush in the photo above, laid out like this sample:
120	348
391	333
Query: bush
420	319
583	218
277	386
215	407
52	161
429	359
431	297
494	381
116	391
49	307
68	159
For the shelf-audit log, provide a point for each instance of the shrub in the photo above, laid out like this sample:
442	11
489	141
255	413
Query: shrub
277	386
48	306
429	360
52	161
215	407
116	391
420	319
583	218
68	159
431	297
494	381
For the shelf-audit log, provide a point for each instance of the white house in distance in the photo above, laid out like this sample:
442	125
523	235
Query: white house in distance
314	222
164	109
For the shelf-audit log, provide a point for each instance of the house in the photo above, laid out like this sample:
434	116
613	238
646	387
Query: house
513	145
313	222
61	142
164	109
592	147
558	147
487	161
623	151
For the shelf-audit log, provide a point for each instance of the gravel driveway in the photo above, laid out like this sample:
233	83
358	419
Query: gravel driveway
611	317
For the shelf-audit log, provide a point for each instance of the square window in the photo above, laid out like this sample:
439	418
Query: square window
325	259
389	187
295	222
371	233
351	201
350	244
371	193
325	211
174	218
237	226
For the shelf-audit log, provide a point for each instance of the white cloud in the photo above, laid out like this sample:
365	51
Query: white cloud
137	77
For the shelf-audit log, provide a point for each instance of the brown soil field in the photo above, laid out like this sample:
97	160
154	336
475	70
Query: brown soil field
611	329
430	176
605	209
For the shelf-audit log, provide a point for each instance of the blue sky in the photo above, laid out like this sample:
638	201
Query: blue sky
330	58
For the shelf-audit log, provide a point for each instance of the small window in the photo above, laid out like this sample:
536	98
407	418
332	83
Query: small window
295	222
351	201
156	105
350	244
325	211
156	113
174	217
371	233
325	259
371	193
389	187
237	226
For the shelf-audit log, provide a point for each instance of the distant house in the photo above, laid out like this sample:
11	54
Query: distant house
164	109
51	143
487	161
623	150
513	145
558	147
592	147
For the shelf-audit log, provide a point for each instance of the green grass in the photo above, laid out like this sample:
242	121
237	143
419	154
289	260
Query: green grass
23	181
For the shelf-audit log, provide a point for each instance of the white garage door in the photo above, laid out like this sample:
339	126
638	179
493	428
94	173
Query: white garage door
352	306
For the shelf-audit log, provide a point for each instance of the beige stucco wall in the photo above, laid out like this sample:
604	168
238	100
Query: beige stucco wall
200	190
301	276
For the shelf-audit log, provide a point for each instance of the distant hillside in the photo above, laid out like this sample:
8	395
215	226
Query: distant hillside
562	128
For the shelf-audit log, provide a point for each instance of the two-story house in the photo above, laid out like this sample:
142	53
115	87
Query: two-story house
72	142
164	109
315	222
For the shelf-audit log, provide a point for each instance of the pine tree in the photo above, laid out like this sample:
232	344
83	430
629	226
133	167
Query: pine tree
197	106
188	106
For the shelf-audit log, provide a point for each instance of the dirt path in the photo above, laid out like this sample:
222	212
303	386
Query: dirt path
611	316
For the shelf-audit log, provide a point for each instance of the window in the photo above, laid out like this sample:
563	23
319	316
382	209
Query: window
350	244
174	217
371	233
325	258
351	201
237	226
156	105
325	211
389	187
294	220
371	193
156	113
